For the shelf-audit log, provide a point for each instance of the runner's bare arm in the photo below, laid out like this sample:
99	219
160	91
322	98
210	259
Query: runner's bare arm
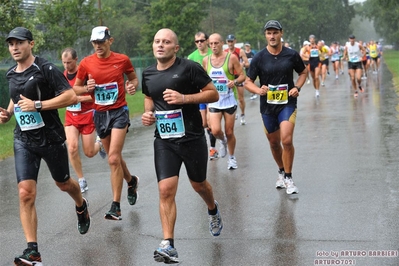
64	99
148	116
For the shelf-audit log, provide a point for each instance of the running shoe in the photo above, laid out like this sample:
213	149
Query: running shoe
166	253
83	185
84	218
102	151
361	89
232	164
223	148
291	188
213	154
215	222
29	257
322	84
242	120
254	96
317	93
355	95
336	76
114	213
132	194
280	180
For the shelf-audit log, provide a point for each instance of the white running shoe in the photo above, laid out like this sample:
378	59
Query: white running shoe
223	148
317	93
242	120
102	151
254	96
232	164
83	185
291	188
280	180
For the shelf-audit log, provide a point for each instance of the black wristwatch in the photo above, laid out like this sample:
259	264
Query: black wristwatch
298	88
38	106
236	83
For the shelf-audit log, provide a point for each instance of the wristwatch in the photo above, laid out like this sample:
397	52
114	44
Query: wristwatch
236	83
298	88
38	106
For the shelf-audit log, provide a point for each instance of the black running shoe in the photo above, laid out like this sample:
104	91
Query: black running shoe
132	194
84	218
29	257
114	213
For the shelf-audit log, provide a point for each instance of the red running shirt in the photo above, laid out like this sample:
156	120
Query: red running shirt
107	70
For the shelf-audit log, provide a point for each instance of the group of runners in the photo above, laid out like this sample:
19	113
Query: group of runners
182	97
361	57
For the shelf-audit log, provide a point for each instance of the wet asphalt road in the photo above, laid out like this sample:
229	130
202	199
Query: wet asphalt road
347	208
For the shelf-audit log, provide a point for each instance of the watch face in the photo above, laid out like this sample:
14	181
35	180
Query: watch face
38	104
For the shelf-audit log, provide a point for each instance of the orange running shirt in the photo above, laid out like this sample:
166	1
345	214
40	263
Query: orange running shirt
107	70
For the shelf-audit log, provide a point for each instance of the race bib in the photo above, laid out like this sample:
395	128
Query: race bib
221	86
106	94
335	57
170	124
75	107
314	52
28	120
354	58
277	94
373	53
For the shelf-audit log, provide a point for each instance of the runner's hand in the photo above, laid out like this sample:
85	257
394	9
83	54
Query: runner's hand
26	104
4	115
173	97
148	118
130	88
263	90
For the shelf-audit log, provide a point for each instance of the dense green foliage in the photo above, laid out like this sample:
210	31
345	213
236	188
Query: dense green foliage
133	24
66	23
385	14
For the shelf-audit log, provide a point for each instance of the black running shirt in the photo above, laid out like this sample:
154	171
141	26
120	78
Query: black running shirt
274	70
186	77
28	83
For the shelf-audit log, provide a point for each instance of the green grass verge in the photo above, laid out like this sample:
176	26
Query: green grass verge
391	59
135	103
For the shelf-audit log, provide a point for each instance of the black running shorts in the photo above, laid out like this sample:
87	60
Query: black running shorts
169	156
27	161
106	121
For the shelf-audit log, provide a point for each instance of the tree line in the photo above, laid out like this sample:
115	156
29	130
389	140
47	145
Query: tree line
57	24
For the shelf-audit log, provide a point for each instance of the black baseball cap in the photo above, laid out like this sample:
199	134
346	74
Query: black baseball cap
20	33
351	36
272	24
230	37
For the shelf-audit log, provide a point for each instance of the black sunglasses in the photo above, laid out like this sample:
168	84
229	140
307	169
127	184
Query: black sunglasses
201	41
